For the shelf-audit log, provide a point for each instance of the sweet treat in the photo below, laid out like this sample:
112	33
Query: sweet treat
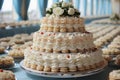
114	75
6	62
16	53
19	41
62	44
6	75
4	44
7	39
26	39
114	46
111	51
17	36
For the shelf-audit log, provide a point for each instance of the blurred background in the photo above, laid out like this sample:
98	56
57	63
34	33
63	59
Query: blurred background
17	10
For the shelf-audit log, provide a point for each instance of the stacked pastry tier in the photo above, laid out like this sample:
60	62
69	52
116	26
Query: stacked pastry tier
62	44
62	24
63	51
75	42
62	62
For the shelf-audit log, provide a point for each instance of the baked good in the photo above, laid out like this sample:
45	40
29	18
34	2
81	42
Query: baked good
16	53
4	44
6	75
114	75
62	44
7	39
17	36
6	62
26	39
111	51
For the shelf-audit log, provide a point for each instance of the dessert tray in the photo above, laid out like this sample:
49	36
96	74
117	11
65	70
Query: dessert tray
16	59
62	75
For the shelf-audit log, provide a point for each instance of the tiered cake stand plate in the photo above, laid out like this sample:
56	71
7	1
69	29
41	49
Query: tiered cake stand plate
62	75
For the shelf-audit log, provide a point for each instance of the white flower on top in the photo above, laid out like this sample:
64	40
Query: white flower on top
47	15
70	4
48	9
71	11
54	5
58	11
64	4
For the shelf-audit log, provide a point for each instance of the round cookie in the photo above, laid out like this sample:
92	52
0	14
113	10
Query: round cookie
114	75
6	75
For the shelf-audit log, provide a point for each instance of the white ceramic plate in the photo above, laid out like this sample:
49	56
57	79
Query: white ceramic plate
61	75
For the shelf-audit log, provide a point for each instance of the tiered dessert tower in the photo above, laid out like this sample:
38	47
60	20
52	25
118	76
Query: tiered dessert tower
62	44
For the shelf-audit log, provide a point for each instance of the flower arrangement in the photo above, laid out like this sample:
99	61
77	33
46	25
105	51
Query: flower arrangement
62	9
115	17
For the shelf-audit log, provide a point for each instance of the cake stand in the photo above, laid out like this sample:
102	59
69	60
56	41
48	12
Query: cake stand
62	75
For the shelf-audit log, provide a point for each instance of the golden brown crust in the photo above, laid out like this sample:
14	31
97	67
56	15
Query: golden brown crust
101	64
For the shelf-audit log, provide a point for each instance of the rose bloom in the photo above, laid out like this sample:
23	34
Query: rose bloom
48	9
71	11
54	5
58	11
47	15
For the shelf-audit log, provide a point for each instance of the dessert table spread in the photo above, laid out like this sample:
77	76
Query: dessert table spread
23	75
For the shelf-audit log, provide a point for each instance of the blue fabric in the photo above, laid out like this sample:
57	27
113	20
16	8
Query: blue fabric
66	0
77	4
109	7
21	8
54	1
91	7
85	7
42	4
101	6
97	7
1	3
104	7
